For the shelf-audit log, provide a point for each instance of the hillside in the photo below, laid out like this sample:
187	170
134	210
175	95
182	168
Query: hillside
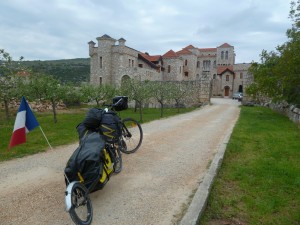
65	70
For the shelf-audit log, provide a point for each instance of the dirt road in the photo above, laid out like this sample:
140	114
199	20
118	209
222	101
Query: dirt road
154	188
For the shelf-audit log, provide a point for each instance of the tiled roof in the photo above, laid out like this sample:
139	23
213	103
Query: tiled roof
170	54
222	69
184	51
151	58
225	45
189	47
140	56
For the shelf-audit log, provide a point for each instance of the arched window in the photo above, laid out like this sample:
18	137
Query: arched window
227	77
226	55
186	62
169	68
222	55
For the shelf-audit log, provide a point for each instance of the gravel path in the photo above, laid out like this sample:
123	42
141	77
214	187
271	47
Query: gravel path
155	187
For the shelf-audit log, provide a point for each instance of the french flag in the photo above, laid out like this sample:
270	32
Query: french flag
25	122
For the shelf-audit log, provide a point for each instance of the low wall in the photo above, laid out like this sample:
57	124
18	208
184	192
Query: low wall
289	110
36	106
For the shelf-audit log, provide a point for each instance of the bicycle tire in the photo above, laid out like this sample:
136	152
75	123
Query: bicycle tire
132	135
80	203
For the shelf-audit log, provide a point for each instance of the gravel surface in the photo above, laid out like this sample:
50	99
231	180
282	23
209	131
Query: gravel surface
155	186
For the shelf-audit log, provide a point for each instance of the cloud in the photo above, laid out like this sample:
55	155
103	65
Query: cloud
61	28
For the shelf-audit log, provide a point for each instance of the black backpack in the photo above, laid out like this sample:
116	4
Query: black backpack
93	118
87	160
110	126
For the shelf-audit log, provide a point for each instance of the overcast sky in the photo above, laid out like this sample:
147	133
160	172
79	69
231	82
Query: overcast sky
61	29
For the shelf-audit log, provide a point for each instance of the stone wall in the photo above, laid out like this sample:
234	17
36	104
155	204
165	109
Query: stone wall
289	110
36	106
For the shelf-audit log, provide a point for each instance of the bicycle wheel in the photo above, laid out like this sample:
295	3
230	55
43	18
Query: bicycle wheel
81	211
118	161
132	135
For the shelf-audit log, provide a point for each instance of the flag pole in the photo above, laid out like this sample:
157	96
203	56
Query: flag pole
45	137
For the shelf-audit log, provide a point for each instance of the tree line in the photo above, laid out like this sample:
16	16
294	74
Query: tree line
16	80
277	77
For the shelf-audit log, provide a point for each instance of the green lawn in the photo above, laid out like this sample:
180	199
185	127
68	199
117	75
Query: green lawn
259	180
60	133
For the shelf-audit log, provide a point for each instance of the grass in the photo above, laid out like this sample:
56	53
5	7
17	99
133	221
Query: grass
259	180
61	133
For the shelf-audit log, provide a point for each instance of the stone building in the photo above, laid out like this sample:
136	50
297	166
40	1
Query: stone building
112	62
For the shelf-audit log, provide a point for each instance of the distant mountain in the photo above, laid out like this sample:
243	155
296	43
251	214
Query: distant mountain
65	70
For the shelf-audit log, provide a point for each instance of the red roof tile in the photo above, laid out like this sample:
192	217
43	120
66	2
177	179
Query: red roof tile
140	56
153	58
184	51
170	54
222	69
189	47
225	45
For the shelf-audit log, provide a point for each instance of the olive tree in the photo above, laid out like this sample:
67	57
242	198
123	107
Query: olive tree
138	91
9	79
161	92
97	93
45	87
179	92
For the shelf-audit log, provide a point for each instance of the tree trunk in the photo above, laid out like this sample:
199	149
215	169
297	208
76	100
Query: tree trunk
54	111
161	109
141	114
135	106
177	105
6	109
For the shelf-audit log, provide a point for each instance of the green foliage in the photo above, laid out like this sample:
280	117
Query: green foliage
72	95
138	91
278	75
8	79
161	91
45	87
97	93
259	181
179	93
66	70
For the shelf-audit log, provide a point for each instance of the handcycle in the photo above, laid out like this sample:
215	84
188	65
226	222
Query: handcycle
128	140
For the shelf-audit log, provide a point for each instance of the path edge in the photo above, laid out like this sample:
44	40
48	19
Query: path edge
199	202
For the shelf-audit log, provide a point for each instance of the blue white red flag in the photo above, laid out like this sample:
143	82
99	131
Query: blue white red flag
25	122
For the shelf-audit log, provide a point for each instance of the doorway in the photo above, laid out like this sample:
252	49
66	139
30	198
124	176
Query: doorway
241	88
226	90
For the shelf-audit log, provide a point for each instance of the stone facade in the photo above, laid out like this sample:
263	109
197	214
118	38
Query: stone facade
112	62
